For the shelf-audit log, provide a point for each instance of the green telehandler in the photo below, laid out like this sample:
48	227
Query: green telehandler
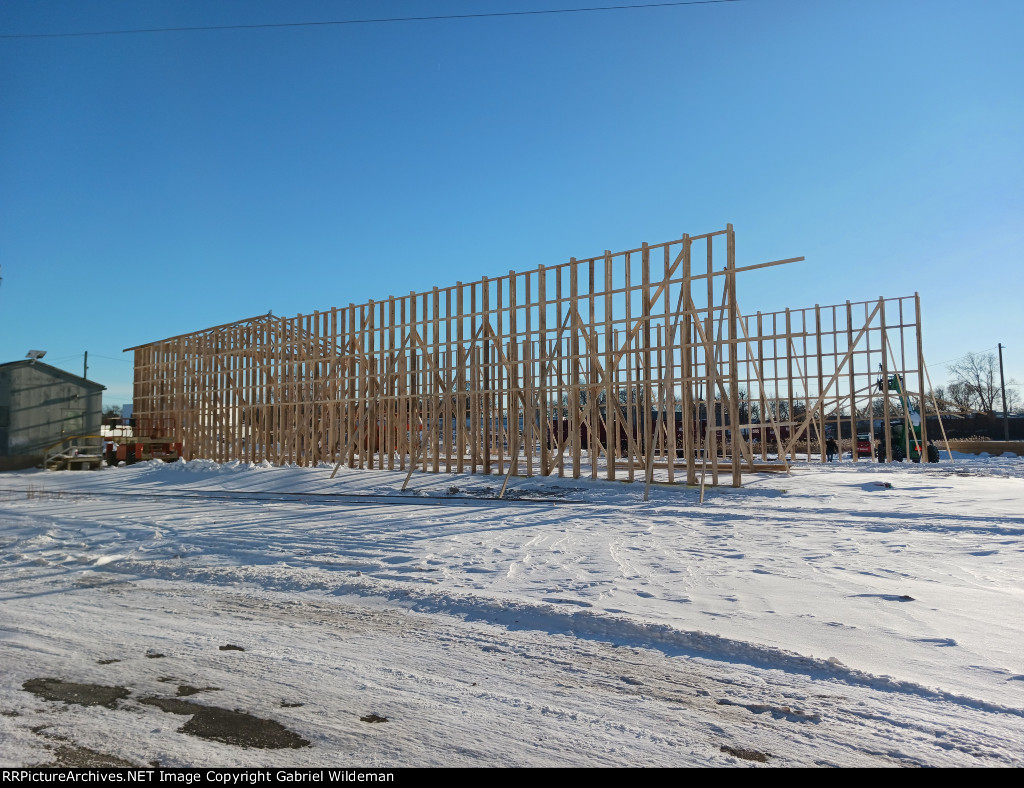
904	444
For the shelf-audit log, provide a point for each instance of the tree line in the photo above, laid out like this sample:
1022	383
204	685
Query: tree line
974	387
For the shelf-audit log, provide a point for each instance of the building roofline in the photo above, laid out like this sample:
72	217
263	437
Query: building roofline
55	370
204	330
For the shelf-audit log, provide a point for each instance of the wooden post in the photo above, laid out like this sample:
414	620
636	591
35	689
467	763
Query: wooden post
611	400
821	386
688	374
485	415
668	384
852	382
575	426
462	361
885	384
920	377
711	356
593	420
734	394
644	397
632	398
938	414
543	385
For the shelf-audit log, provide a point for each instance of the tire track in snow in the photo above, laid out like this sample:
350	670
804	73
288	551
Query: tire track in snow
553	619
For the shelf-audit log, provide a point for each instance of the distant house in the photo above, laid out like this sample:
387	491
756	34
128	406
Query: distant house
41	406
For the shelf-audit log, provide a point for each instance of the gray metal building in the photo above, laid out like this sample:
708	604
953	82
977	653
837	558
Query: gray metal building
42	406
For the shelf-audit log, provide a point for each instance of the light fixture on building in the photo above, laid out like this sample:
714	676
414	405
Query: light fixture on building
35	355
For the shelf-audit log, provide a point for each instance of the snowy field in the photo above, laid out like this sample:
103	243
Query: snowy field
204	615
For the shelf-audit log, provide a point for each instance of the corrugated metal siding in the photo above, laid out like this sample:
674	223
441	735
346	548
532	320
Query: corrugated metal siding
43	406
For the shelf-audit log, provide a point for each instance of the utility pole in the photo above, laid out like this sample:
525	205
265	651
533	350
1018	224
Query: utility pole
85	365
1002	385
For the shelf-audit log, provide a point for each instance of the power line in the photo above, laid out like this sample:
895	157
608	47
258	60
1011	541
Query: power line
965	355
112	358
376	21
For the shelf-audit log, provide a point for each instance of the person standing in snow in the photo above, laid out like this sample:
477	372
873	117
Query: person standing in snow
830	449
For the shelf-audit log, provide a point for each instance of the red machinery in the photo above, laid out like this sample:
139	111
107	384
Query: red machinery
143	439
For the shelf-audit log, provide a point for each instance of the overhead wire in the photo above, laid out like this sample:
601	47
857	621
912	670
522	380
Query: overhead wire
371	21
113	358
964	355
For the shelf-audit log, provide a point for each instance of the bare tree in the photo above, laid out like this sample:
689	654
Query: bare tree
776	409
937	398
961	399
975	383
1013	401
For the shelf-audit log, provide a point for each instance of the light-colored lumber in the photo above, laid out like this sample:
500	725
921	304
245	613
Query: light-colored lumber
598	359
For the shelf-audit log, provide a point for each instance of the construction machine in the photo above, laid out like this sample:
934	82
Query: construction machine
905	433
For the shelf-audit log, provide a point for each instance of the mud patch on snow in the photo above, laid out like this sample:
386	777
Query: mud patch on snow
69	692
541	493
187	689
229	727
71	756
777	712
171	705
555	600
747	755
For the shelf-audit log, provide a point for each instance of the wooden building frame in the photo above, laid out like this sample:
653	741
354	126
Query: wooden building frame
613	366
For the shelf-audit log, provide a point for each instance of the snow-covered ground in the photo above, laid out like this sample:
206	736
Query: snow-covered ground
841	615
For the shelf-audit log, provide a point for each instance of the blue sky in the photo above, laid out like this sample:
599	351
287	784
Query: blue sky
160	183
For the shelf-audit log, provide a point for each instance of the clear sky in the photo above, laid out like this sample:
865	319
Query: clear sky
159	183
